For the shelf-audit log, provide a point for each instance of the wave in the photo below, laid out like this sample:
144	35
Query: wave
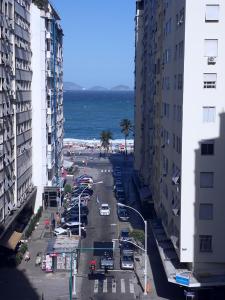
70	141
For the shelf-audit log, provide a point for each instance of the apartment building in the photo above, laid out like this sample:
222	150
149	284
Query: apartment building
179	134
17	194
47	98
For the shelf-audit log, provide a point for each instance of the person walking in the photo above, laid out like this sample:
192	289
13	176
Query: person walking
27	256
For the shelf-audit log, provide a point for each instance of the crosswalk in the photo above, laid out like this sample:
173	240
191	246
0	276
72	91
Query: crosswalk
114	286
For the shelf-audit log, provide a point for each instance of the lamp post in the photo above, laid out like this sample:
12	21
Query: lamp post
145	249
79	204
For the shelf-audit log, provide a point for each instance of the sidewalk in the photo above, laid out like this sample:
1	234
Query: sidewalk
140	258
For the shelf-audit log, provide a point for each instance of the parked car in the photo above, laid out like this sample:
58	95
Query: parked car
107	261
73	225
120	193
104	209
60	231
124	235
121	200
127	259
122	213
75	218
75	209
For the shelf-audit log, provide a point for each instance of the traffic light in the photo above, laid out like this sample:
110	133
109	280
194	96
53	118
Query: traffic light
92	265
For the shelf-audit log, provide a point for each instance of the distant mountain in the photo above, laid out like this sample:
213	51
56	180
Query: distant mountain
71	86
120	88
98	88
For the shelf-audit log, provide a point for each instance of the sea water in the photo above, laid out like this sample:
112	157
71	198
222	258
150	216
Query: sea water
88	113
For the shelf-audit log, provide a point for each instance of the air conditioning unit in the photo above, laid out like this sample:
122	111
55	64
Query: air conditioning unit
211	60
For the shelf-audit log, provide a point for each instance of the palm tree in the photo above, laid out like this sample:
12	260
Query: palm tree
126	127
105	137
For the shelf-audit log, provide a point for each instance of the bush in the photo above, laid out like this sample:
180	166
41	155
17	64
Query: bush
23	248
67	188
18	258
138	235
33	222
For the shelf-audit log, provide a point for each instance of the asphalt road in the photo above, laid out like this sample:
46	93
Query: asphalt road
116	283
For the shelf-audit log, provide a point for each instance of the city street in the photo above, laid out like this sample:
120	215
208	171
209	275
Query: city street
115	283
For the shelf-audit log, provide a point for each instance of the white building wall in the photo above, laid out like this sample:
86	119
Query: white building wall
195	130
39	135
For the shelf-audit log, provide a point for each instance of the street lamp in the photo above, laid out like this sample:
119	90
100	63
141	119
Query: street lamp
145	249
79	204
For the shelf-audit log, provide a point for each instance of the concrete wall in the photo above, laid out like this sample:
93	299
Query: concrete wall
39	109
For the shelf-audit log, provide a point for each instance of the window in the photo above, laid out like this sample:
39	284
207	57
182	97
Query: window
210	80
1	213
211	48
206	179
207	148
209	114
205	243
212	13
206	211
49	139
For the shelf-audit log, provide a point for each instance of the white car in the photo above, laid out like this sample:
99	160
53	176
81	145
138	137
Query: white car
104	210
74	225
60	231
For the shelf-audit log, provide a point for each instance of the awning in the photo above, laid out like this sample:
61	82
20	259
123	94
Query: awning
13	240
145	193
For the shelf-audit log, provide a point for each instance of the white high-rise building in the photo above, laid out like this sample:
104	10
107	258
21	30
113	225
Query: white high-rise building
47	97
180	102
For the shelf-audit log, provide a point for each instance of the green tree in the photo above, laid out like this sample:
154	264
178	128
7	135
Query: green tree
67	188
138	235
42	4
105	137
126	127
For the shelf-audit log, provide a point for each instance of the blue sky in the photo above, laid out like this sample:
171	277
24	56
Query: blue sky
98	41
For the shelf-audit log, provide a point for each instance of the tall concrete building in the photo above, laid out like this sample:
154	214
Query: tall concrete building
179	133
17	194
47	97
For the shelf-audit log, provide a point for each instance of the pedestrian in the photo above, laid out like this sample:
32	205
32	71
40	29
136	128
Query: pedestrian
53	224
27	256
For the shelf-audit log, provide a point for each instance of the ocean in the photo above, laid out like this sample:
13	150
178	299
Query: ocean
88	113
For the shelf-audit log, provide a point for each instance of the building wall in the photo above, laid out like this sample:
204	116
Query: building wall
192	194
15	98
174	94
39	102
47	97
138	82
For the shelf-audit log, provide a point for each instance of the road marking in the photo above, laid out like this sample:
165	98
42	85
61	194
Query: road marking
131	286
122	286
102	171
105	286
105	171
96	286
113	286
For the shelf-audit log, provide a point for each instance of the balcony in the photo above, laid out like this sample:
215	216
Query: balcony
15	210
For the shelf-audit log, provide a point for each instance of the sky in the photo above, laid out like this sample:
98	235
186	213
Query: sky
98	41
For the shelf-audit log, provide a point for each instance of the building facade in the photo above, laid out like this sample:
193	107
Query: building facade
17	193
47	97
179	100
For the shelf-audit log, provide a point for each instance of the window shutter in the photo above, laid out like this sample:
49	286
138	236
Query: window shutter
212	13
210	77
211	48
